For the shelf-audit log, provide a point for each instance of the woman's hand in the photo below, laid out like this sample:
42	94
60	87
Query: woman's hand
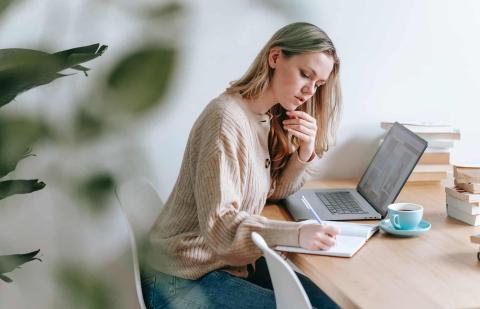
304	127
317	236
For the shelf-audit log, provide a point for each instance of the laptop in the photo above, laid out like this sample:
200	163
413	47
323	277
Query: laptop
379	186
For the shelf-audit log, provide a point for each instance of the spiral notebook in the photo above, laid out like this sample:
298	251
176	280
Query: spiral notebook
351	238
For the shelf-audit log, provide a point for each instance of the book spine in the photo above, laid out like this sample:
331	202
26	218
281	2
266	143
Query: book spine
435	158
438	150
468	179
475	238
439	135
467	208
462	195
469	187
439	143
417	176
459	215
459	171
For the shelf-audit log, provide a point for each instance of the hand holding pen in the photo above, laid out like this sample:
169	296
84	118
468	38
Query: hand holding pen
316	236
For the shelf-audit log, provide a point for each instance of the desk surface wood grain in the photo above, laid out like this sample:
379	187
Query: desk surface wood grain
436	270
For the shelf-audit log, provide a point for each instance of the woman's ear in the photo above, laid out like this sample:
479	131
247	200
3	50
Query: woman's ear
273	57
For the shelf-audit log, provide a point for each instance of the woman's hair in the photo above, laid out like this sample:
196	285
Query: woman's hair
324	105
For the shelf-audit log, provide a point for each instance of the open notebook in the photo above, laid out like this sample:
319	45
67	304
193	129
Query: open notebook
351	238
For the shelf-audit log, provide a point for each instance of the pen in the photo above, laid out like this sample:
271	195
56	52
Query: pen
309	207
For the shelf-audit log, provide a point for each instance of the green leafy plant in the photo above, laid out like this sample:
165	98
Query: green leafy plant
21	70
11	262
86	287
80	171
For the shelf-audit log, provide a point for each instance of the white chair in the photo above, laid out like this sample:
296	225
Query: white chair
289	292
140	205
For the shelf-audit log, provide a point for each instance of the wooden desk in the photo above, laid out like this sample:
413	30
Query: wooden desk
436	270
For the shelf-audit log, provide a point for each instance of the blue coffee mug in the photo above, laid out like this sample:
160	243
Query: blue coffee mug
405	216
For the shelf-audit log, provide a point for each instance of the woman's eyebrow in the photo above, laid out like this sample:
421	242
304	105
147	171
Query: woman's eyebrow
313	71
315	74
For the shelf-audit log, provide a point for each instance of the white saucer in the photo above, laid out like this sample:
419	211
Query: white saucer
423	227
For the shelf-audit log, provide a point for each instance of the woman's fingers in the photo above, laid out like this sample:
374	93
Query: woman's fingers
302	136
321	242
326	240
301	115
300	128
300	122
317	237
331	230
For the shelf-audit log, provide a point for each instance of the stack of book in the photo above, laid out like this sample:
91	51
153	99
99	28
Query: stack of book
463	199
434	165
476	240
467	177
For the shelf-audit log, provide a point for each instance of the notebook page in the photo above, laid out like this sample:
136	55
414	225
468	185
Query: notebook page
345	246
354	229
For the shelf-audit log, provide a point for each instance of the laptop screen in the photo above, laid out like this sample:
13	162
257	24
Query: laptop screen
391	166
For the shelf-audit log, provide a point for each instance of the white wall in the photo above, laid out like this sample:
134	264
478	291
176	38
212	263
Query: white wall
406	61
403	60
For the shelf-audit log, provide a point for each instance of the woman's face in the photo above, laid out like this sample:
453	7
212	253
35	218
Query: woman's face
295	79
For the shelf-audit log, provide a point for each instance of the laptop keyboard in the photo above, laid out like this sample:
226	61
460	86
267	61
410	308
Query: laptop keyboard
340	203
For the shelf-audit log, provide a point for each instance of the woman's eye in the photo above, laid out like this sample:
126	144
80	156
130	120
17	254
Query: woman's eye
303	74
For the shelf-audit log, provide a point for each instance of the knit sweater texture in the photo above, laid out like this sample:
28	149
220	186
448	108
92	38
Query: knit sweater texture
223	185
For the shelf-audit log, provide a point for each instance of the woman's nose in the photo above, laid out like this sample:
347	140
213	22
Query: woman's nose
309	88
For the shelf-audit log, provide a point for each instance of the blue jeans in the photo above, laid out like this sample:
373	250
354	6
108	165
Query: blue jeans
219	289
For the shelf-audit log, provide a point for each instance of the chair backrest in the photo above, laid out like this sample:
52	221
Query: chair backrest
140	205
289	292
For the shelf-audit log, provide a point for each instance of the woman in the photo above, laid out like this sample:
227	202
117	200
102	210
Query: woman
259	140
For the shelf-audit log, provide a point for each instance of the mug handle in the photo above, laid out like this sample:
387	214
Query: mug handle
395	222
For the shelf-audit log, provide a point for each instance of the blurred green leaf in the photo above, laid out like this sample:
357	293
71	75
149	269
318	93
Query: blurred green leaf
9	164
23	69
4	4
87	125
9	263
140	80
71	58
19	186
17	135
165	11
86	288
97	190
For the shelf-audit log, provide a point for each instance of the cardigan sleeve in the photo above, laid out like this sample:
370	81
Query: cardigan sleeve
226	228
294	176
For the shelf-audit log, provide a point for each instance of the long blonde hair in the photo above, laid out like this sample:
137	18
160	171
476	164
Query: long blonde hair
324	105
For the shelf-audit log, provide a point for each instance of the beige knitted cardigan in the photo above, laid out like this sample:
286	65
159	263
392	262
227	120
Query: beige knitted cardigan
220	192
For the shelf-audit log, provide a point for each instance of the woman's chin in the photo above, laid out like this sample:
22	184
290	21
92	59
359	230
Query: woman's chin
289	106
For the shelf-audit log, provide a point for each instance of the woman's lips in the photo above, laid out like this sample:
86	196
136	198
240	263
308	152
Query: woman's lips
299	99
